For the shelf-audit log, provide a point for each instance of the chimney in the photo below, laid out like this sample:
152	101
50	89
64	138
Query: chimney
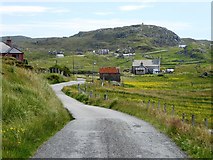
9	42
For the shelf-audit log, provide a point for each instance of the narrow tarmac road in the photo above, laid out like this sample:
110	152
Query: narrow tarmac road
103	133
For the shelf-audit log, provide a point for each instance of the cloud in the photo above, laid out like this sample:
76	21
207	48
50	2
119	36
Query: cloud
29	9
71	1
132	7
60	10
22	9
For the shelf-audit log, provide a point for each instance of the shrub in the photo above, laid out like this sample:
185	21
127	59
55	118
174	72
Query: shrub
83	98
54	78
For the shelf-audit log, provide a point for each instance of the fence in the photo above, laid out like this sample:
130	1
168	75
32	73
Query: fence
150	105
171	111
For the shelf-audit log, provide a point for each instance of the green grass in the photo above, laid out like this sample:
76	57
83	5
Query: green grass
169	59
189	93
84	63
31	112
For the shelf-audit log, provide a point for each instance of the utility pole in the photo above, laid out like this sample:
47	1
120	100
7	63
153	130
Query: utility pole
94	63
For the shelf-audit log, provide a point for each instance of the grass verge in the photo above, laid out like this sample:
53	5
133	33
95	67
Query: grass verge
31	112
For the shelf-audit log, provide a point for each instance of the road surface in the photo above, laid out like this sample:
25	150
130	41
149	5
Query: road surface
103	133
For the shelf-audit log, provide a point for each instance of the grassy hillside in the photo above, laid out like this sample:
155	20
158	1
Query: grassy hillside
171	57
31	112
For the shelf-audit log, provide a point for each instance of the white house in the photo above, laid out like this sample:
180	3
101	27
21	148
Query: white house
170	70
128	54
182	46
103	51
140	67
61	55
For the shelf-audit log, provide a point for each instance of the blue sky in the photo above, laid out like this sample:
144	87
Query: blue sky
65	18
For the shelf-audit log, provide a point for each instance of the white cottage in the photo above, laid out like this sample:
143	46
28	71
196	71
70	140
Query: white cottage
140	67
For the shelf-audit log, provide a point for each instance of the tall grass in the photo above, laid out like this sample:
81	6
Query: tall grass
31	112
1	73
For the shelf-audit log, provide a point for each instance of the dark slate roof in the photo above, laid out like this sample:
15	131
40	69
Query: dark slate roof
154	62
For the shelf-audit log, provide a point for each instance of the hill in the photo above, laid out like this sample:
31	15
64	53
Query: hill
31	112
142	39
137	36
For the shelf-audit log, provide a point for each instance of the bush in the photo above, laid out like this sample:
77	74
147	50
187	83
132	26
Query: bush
66	70
83	98
54	78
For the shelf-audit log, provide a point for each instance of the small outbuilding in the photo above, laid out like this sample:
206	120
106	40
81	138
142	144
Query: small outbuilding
110	74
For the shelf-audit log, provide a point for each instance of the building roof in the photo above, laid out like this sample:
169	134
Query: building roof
154	62
182	46
4	48
109	70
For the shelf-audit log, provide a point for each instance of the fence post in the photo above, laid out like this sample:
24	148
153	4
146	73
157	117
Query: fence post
183	117
147	107
90	94
105	96
165	107
173	109
85	88
206	122
193	120
78	88
153	105
143	102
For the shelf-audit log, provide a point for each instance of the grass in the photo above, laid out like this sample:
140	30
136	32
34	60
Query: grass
31	112
189	93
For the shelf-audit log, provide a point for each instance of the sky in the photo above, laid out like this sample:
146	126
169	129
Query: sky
64	18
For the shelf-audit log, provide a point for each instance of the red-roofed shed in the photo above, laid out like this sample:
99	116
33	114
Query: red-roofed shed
110	73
